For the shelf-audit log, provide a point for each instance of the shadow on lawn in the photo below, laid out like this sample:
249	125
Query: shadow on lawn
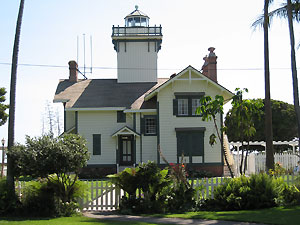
278	215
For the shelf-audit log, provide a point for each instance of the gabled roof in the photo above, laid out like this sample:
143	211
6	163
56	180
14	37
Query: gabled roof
177	76
125	131
100	93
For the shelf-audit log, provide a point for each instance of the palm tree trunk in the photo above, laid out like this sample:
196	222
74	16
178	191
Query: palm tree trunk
268	111
12	103
294	66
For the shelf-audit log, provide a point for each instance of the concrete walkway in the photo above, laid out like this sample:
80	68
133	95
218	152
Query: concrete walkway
118	217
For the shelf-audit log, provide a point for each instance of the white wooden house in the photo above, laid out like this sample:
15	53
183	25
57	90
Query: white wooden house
124	120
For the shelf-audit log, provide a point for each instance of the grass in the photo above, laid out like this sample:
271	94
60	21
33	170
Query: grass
278	215
76	220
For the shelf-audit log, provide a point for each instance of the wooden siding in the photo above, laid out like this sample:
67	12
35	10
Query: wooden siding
70	120
104	123
149	143
138	140
168	122
136	64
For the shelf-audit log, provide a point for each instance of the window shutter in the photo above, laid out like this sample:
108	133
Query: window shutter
96	144
197	142
142	125
175	107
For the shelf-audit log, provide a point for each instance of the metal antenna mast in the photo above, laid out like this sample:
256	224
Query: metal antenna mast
84	60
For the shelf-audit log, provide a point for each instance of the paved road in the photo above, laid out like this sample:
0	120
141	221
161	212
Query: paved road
113	216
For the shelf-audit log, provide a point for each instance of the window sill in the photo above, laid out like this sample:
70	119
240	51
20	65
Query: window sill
150	134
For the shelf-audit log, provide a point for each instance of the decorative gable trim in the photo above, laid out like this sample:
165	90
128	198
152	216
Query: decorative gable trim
125	131
177	77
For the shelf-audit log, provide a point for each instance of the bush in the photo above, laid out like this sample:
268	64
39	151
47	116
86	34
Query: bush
34	197
8	202
288	195
148	179
161	191
255	192
36	193
278	170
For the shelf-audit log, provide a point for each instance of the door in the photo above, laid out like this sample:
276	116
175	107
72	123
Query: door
126	150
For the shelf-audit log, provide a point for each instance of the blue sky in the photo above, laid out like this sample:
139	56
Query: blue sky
49	37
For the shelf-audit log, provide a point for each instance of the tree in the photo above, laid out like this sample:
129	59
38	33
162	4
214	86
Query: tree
268	111
3	107
242	121
294	67
12	99
44	156
283	123
209	109
290	10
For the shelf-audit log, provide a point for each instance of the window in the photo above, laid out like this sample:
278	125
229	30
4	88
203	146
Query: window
186	103
96	144
121	117
183	107
190	142
195	105
150	125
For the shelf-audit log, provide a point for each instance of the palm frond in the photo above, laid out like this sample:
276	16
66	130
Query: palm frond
259	22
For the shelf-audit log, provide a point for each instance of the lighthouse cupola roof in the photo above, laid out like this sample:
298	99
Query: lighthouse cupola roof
137	19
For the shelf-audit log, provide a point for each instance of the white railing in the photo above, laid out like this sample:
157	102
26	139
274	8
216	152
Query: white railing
256	162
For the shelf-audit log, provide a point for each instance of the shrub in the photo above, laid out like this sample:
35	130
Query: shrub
181	196
8	201
278	170
148	179
288	195
37	193
34	197
161	190
254	192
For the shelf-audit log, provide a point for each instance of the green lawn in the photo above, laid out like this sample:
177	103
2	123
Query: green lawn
278	215
77	220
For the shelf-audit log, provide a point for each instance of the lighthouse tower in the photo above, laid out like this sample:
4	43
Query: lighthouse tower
137	45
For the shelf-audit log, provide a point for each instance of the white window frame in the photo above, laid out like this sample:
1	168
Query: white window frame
183	107
150	125
195	105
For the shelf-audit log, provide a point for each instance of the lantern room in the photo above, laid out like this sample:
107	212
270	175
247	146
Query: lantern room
136	19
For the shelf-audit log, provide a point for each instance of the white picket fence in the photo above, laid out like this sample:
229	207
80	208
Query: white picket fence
104	196
256	162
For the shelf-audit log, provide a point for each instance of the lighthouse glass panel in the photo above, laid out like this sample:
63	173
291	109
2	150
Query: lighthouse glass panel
128	22
143	22
137	21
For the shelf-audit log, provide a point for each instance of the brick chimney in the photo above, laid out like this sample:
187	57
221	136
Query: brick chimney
209	67
73	71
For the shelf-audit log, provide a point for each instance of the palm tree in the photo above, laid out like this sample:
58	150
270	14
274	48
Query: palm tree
294	66
290	10
12	103
264	21
268	110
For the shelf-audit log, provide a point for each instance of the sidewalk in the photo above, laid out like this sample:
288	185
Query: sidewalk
118	217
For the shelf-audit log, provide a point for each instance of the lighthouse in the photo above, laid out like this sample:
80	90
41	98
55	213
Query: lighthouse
137	45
